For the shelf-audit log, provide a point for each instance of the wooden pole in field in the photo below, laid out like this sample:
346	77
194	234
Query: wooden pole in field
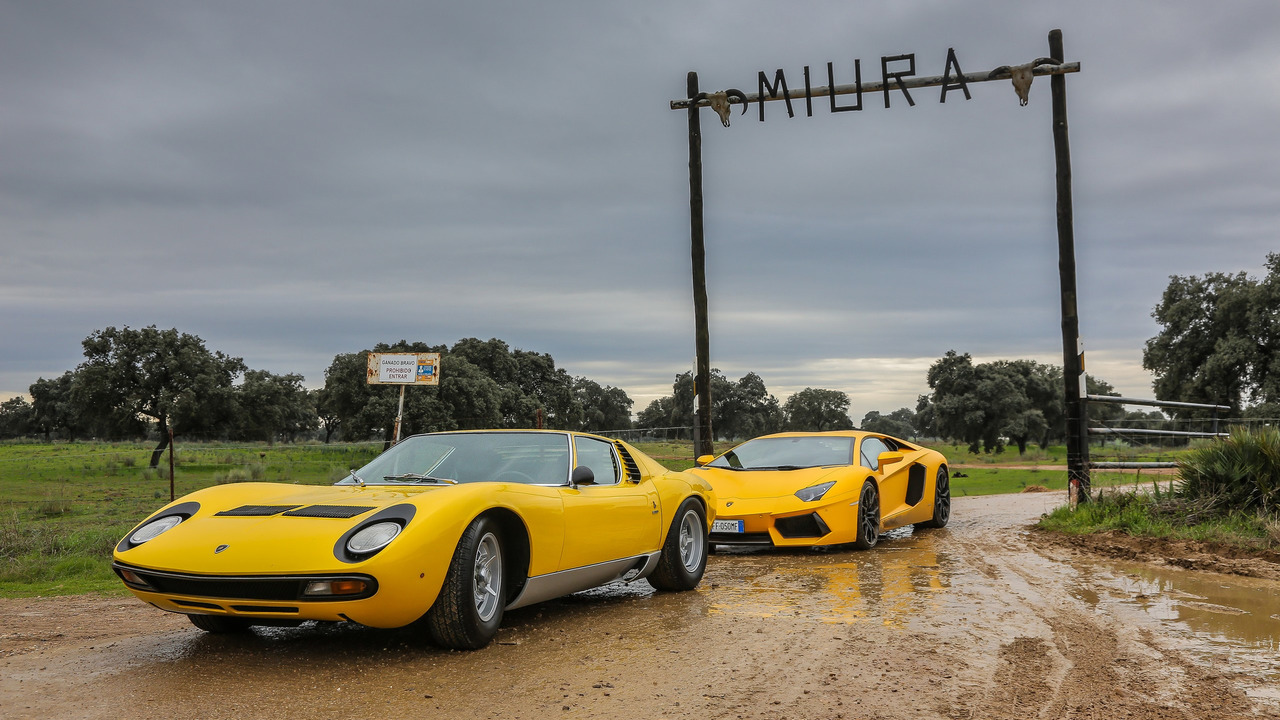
702	334
1073	377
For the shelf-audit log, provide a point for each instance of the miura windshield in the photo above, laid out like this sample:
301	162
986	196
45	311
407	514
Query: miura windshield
449	458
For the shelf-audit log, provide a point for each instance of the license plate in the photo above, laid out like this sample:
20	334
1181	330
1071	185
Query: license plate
726	526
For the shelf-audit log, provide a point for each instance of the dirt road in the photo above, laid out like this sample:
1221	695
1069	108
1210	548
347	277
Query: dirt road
966	622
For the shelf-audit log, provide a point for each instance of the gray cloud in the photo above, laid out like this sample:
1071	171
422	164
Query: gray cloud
293	180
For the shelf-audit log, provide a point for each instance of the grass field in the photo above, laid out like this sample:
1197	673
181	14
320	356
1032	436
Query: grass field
63	506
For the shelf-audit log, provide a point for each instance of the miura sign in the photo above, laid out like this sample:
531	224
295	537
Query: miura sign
897	75
894	70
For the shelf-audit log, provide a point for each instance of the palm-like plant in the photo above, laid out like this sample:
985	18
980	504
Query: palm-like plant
1242	471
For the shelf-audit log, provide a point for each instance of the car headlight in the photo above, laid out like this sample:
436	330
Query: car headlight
372	538
814	492
154	528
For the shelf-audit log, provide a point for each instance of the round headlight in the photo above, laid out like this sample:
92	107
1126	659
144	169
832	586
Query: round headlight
154	528
374	537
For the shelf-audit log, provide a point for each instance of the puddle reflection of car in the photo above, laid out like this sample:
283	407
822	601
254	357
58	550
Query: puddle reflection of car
449	529
824	488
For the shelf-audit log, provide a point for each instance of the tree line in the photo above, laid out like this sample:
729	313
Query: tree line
136	383
744	409
1219	343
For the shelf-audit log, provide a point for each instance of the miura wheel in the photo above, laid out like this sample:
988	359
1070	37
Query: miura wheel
468	611
868	516
684	554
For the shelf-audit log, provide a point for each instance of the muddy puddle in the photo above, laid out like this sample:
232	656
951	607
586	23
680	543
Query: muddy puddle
963	622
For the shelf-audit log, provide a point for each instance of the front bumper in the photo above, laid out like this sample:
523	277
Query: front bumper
829	524
261	597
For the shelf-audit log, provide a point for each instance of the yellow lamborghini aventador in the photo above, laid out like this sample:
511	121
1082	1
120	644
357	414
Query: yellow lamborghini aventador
824	488
450	528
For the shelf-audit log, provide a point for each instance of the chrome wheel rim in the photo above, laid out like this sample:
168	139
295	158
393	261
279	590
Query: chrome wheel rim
870	511
488	577
942	497
692	544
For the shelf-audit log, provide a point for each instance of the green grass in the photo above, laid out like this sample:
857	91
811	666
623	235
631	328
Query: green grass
1160	516
64	506
1000	481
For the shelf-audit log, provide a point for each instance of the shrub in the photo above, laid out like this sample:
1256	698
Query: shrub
1240	473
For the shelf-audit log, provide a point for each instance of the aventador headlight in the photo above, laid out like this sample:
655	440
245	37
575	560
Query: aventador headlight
154	528
374	537
814	492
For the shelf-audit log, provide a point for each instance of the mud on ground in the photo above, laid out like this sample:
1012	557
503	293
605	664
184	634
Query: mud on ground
979	620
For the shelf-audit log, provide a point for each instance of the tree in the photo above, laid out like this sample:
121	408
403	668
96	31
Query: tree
1041	404
1019	400
273	406
747	410
925	420
158	374
16	416
326	410
603	407
1219	340
52	409
815	410
742	409
898	423
483	384
548	388
973	403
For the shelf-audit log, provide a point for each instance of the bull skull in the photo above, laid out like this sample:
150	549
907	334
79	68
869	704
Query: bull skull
720	102
1022	76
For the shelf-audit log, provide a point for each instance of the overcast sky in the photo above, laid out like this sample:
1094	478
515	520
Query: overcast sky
294	180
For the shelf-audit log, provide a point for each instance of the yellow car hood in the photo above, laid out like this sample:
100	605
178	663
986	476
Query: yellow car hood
739	485
274	543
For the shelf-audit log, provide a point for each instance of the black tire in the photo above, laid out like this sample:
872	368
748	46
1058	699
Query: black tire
220	624
468	610
941	502
684	553
868	516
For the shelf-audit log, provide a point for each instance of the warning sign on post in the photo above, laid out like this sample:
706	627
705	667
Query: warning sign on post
404	369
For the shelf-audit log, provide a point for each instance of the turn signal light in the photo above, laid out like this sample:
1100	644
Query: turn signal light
335	587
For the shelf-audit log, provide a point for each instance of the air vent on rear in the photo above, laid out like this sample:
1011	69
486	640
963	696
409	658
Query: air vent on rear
629	464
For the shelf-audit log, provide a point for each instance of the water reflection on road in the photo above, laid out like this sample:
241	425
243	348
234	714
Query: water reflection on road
1236	610
895	581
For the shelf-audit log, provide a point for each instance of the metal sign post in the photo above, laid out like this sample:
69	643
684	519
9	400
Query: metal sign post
402	369
898	76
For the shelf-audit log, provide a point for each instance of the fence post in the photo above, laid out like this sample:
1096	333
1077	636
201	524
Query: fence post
171	494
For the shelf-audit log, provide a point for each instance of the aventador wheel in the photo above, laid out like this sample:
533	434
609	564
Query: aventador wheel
868	516
941	502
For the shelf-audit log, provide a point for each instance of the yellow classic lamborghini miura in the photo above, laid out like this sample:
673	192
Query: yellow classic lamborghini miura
449	529
824	488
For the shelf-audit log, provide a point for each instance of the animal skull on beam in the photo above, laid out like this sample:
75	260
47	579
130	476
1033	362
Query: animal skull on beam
1022	76
720	102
